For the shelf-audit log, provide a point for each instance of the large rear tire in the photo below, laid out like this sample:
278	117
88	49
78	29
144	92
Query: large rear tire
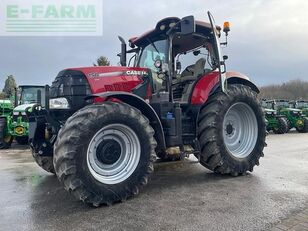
283	126
232	131
104	153
45	162
22	140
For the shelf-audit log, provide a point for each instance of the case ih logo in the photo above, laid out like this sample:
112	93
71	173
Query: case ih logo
51	18
136	72
116	73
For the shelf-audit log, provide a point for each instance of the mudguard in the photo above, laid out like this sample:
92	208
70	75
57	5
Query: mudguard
141	105
209	83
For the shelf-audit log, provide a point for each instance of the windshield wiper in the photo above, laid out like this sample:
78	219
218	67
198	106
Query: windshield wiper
153	45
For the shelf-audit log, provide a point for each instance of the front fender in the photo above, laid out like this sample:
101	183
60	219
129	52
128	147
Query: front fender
141	105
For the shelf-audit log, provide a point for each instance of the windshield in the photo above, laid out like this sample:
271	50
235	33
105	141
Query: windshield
29	95
153	51
302	104
282	104
189	59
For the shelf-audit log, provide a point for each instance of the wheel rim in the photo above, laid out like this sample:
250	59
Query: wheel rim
240	130
113	154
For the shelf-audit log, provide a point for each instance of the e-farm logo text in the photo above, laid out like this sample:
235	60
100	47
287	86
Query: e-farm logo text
51	18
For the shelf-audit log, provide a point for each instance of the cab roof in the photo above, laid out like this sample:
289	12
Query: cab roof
164	25
25	86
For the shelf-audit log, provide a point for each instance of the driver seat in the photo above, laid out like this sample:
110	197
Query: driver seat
198	70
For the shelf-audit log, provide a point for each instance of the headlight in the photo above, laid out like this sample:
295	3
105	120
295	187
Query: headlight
59	103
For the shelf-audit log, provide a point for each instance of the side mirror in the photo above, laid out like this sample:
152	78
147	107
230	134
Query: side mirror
16	97
47	97
188	25
39	97
123	52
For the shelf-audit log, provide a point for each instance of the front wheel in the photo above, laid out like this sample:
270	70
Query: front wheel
231	131
283	126
304	128
22	140
6	139
104	153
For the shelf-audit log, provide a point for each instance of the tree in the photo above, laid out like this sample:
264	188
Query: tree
294	90
9	87
2	95
102	61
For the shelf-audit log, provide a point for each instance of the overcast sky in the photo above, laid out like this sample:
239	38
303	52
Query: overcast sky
266	42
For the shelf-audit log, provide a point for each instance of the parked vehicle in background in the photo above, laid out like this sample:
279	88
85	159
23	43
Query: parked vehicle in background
29	95
6	109
295	117
303	106
16	124
276	123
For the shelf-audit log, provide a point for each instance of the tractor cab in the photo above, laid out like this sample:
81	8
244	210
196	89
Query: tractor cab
178	53
30	94
302	104
286	105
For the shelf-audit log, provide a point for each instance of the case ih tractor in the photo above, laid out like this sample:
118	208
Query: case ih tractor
294	116
276	123
103	127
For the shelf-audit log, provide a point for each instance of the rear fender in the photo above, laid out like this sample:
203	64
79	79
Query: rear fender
209	84
141	105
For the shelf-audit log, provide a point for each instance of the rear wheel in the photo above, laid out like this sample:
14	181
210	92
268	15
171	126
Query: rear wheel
23	140
105	153
231	131
289	125
6	139
283	126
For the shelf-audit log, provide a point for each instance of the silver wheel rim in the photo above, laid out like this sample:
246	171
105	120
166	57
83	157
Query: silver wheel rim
119	168
240	130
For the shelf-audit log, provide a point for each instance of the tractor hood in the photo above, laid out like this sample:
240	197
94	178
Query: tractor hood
292	109
267	110
23	107
113	78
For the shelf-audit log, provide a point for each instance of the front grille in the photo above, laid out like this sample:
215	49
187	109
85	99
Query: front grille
73	85
24	118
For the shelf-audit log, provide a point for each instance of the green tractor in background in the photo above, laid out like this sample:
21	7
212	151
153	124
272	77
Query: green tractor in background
303	106
6	109
16	124
294	116
276	123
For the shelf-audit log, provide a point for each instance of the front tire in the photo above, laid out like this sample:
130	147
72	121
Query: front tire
303	129
104	153
6	139
231	131
283	126
22	140
45	162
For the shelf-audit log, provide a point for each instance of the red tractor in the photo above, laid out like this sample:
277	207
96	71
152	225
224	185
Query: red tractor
103	127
